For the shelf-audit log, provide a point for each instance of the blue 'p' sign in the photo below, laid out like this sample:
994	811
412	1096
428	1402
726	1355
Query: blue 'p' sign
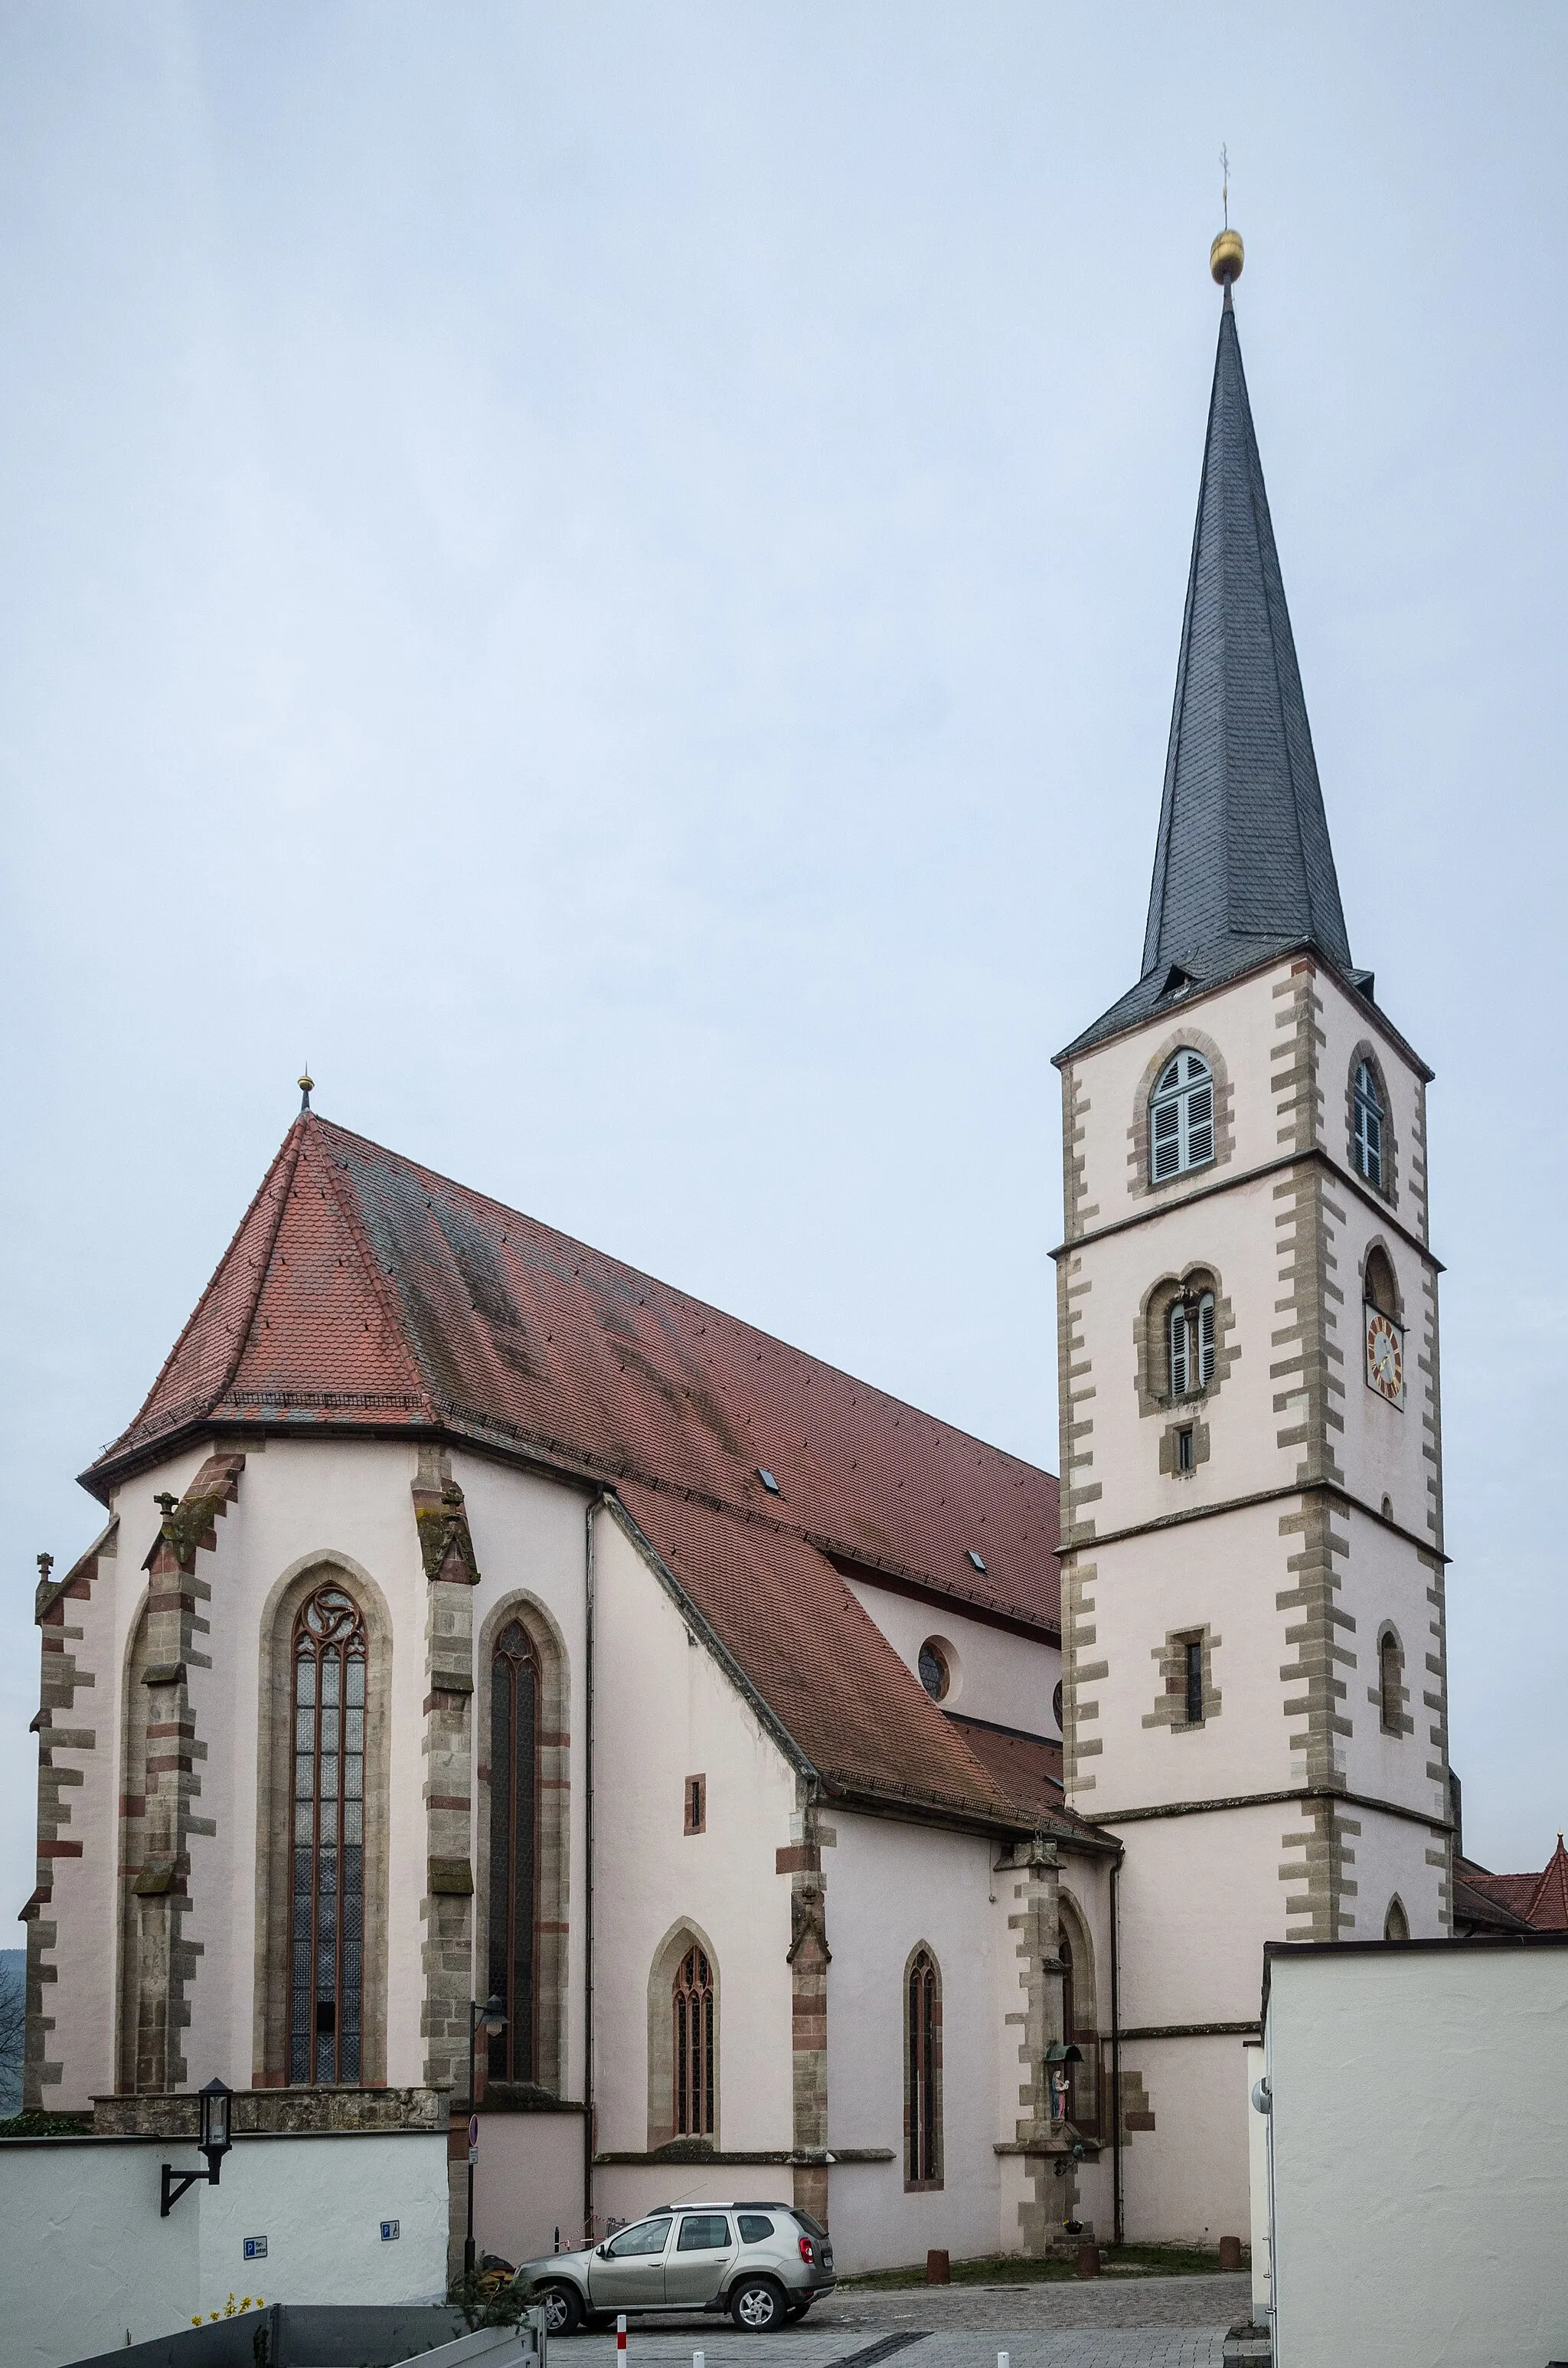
391	2231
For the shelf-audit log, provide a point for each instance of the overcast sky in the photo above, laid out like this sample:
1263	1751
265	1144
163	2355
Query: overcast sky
610	577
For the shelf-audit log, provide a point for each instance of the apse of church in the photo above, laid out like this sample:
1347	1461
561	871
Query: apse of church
818	1795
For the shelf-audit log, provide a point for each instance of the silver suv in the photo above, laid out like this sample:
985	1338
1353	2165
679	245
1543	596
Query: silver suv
765	2264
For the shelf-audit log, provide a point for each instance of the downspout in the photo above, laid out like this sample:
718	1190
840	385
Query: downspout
588	2132
1114	2056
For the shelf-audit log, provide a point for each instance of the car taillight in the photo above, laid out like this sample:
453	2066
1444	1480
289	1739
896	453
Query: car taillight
806	2252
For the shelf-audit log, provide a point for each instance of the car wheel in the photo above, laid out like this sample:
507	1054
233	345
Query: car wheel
562	2309
756	2306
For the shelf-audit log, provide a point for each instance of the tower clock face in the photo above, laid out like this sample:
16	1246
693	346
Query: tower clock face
1385	1357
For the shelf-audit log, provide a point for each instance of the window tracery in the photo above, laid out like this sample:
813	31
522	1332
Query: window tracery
327	1886
923	2067
695	2045
1189	1344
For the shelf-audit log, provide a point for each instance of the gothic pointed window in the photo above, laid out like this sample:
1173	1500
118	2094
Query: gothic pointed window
1366	1138
695	2044
923	2072
1181	1117
327	1871
514	1848
1191	1344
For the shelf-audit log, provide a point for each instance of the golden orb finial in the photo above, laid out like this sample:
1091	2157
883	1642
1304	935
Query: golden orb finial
306	1082
1226	257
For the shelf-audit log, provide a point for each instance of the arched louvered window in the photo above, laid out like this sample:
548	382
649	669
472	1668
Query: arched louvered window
1181	1116
514	1848
1391	1688
1191	1344
922	2064
327	1872
695	2039
1367	1142
1396	1923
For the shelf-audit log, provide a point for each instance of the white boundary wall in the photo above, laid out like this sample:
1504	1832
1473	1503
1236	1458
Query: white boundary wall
86	2264
1419	2103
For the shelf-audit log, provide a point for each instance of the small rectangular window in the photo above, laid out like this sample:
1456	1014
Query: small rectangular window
696	1804
1183	1448
1194	1682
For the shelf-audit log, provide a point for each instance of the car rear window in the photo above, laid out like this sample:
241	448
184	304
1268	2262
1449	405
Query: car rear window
812	2227
703	2232
755	2228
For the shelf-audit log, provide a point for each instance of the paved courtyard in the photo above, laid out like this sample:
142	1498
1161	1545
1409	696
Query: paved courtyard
1100	2323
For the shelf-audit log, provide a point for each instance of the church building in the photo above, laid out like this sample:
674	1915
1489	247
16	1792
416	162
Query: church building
825	1795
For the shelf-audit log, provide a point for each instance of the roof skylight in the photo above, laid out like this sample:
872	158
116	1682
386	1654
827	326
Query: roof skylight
975	1559
769	1482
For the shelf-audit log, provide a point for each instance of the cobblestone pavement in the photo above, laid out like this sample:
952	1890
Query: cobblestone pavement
1100	2323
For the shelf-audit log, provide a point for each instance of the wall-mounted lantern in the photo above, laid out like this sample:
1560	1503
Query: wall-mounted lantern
213	2141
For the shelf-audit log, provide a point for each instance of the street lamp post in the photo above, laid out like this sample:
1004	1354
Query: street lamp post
489	2017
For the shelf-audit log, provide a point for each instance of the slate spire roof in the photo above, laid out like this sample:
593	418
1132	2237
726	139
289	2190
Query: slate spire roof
1243	864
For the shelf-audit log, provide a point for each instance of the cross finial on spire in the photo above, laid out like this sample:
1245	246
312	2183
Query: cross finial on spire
1225	182
306	1082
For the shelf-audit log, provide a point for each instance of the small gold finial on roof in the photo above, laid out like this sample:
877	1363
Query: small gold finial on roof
306	1082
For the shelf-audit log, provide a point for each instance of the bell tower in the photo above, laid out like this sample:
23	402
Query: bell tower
1254	1696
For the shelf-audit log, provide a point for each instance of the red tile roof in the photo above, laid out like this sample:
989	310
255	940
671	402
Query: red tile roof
1539	1901
365	1293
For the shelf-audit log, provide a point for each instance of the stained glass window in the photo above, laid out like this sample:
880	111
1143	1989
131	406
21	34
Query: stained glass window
514	1848
327	1937
694	2035
923	2133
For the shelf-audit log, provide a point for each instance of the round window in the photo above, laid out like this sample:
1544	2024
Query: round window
934	1673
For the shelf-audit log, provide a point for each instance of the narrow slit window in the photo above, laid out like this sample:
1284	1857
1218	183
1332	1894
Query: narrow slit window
1390	1687
696	1804
1194	1654
1184	1454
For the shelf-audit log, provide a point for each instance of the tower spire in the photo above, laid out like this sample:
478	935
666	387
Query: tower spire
1243	858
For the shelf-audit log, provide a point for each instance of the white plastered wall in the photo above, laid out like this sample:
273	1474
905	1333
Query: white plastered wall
134	2276
667	1710
1419	2099
996	1674
890	1888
